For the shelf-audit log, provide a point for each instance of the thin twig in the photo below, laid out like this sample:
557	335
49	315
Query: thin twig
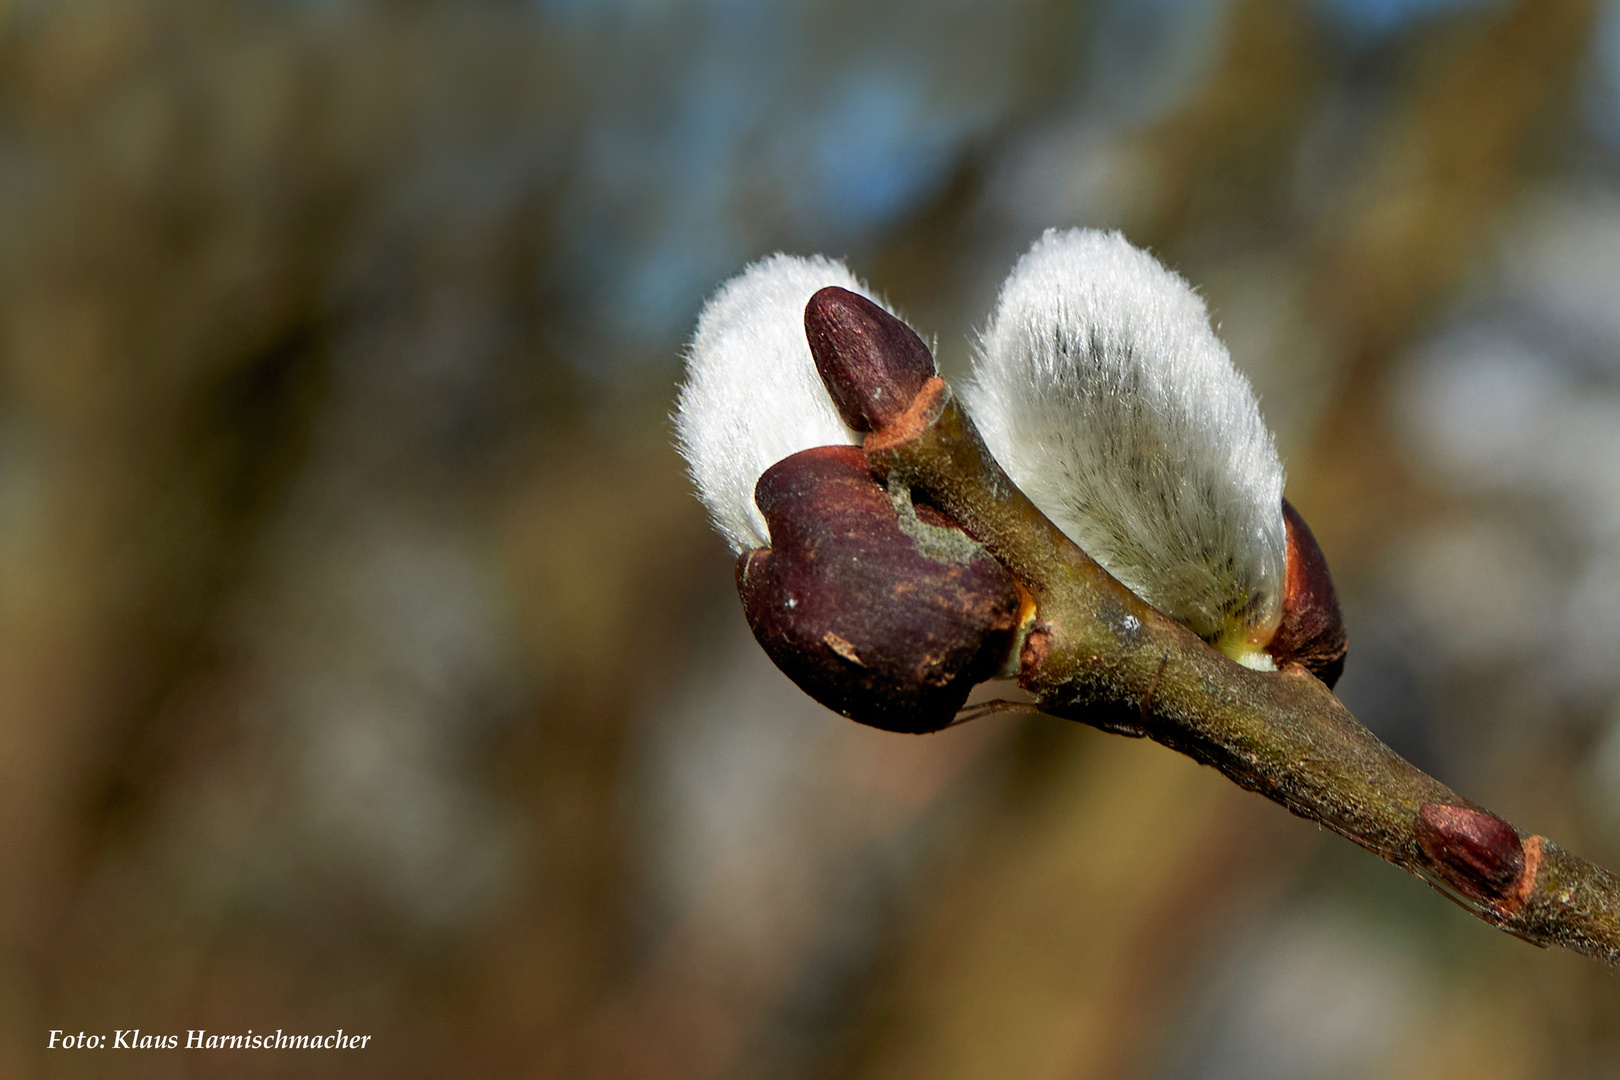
988	708
1099	655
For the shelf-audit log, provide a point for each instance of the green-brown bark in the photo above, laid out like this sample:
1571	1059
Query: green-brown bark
1098	654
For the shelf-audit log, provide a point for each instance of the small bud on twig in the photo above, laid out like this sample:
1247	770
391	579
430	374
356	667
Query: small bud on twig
1477	853
872	363
1311	633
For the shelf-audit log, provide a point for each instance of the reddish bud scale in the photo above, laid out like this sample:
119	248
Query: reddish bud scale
872	363
1312	630
1478	853
887	616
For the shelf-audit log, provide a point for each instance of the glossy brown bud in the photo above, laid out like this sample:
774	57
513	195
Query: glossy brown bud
1478	854
873	363
883	611
1312	630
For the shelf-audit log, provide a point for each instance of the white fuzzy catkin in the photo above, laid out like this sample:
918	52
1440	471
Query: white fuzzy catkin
752	395
1103	392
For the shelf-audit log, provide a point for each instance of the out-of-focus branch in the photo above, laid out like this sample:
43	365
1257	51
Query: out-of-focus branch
1100	655
1432	197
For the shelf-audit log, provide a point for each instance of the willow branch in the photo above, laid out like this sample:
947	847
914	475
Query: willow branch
1099	655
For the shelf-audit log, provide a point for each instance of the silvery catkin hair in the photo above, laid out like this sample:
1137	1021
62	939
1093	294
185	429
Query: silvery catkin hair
1102	390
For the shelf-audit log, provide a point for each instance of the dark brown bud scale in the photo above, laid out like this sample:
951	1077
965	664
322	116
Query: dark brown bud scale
1312	630
872	363
1478	853
887	615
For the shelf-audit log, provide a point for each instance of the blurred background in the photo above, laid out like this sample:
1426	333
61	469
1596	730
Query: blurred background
366	662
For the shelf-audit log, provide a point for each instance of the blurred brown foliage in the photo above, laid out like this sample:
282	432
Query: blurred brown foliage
367	663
